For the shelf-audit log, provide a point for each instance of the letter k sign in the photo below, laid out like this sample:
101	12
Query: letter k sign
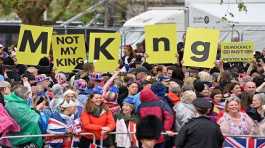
102	48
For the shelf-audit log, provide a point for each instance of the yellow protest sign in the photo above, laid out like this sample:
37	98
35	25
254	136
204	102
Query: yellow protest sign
237	51
160	43
201	47
68	51
104	51
33	43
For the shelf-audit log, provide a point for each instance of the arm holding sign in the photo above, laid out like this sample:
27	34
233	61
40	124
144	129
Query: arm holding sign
251	67
220	66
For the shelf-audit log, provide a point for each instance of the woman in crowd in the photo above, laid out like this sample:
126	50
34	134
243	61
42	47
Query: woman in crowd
96	119
256	110
65	121
217	96
126	123
234	122
127	61
232	89
184	110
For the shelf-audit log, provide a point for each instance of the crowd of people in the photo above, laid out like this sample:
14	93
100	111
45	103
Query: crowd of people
140	100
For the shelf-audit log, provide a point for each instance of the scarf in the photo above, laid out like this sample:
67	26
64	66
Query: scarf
96	111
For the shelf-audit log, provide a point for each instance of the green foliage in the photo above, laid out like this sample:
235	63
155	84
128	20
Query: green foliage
31	11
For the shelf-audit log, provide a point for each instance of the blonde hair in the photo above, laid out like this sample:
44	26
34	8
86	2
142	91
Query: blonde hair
205	76
189	81
230	99
188	96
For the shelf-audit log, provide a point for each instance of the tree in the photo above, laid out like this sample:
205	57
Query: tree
29	11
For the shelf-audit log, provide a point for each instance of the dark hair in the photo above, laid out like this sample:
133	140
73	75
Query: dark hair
89	106
44	61
246	99
229	87
178	74
150	127
258	80
215	92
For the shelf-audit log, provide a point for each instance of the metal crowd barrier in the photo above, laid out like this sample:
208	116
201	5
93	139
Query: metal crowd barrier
251	137
50	135
115	133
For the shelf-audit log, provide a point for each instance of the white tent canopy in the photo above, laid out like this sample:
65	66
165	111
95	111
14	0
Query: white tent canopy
248	25
133	29
155	17
253	16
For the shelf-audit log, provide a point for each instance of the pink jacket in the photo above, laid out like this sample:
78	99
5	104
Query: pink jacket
7	124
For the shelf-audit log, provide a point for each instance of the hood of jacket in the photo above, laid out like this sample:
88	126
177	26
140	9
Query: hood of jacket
147	95
14	98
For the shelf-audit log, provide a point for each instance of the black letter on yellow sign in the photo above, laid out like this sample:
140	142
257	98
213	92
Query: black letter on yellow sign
27	37
156	43
102	48
204	53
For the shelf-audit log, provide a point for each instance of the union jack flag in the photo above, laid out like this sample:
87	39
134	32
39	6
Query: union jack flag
244	142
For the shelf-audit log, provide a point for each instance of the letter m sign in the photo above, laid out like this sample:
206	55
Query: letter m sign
33	44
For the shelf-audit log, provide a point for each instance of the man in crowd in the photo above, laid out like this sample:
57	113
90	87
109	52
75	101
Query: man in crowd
200	132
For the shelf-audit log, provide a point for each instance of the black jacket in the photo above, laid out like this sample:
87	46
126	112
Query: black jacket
253	113
200	132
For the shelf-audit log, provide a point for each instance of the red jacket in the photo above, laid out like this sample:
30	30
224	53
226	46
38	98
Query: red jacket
174	99
152	105
92	124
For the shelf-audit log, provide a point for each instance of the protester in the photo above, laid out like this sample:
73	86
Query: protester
200	131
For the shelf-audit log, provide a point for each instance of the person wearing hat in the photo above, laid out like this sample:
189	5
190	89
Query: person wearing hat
151	104
200	132
57	91
126	122
42	84
149	131
65	121
4	90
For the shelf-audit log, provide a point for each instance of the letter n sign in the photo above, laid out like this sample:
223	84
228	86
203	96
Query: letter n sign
104	49
160	43
33	44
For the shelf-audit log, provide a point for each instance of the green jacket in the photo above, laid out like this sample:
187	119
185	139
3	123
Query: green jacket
26	118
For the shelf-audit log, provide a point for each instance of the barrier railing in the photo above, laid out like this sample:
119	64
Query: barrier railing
51	135
253	141
115	133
